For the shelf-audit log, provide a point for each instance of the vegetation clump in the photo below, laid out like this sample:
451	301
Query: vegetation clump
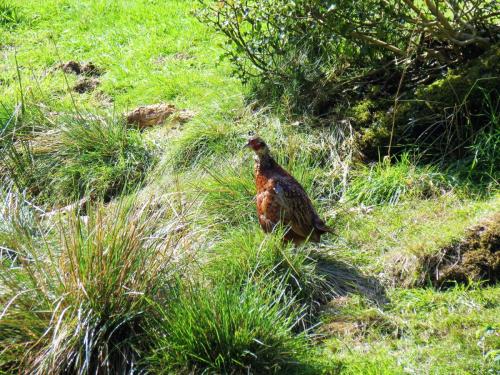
384	183
75	297
474	258
229	329
410	75
97	157
386	112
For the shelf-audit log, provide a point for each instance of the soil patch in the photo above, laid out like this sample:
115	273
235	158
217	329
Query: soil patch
182	56
88	69
156	114
86	84
476	257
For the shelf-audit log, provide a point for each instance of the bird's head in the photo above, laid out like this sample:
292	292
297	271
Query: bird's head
258	145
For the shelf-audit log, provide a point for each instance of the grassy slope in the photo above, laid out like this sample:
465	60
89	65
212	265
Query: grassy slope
151	51
154	51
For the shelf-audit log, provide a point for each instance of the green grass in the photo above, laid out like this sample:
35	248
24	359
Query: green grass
422	330
150	51
92	156
385	183
229	329
165	269
75	295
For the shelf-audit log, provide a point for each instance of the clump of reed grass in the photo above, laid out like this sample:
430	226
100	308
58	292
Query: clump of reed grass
78	156
76	296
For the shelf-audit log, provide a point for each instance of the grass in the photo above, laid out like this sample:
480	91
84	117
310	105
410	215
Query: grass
165	268
10	16
386	183
229	329
150	52
95	156
421	331
244	255
74	297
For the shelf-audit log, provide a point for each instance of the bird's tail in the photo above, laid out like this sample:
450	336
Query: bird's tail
322	227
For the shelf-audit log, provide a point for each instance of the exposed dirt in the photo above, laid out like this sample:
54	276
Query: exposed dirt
86	84
476	257
182	56
88	69
179	56
103	98
157	114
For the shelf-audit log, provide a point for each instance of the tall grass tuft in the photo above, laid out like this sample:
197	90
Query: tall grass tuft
10	15
96	156
74	298
245	254
230	328
485	149
199	141
386	183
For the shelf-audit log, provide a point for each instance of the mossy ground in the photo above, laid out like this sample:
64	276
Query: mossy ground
389	218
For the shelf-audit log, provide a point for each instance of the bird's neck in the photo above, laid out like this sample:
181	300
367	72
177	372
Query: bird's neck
264	161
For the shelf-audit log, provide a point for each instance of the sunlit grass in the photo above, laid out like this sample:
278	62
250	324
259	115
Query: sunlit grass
179	278
75	295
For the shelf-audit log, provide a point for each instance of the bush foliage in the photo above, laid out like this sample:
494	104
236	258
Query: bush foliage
307	46
325	57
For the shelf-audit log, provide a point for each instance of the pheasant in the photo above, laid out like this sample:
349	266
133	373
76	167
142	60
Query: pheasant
282	200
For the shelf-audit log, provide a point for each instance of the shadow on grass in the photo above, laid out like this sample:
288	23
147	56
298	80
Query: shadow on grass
345	279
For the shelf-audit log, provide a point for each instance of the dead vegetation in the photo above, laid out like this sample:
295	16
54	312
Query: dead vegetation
476	257
156	114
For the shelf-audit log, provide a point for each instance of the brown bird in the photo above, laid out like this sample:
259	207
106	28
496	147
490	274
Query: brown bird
282	200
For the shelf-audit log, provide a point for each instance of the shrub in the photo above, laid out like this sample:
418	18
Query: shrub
313	49
74	299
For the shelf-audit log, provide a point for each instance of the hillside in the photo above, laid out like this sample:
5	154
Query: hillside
133	247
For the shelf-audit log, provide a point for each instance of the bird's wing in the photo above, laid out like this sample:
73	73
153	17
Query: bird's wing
296	207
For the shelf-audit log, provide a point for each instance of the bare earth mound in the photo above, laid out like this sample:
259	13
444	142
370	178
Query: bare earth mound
476	257
156	114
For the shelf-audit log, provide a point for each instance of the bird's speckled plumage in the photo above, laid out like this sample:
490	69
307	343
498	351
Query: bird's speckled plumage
281	199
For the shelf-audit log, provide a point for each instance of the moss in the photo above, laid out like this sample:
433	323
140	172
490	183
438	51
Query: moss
460	86
446	114
373	141
362	113
442	117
